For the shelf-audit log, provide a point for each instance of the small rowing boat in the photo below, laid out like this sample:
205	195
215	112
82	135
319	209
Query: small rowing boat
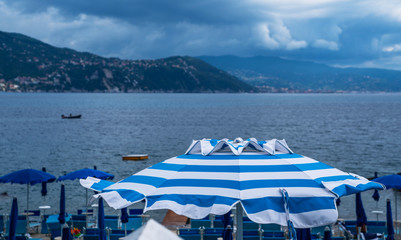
70	116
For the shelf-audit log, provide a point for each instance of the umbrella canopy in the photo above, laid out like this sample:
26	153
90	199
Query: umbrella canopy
84	173
214	175
226	219
13	220
100	220
390	181
27	176
61	216
389	217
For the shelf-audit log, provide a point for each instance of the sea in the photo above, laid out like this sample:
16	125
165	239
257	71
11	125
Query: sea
357	133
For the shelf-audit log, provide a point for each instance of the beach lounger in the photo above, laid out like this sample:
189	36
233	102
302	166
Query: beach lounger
116	234
189	233
54	226
21	225
85	211
43	225
133	223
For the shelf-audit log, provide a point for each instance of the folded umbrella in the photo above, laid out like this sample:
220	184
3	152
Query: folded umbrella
13	220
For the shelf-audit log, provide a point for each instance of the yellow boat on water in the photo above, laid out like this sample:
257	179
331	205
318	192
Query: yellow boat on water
135	157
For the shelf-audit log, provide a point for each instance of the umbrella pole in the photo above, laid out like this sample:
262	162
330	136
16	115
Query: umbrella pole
86	208
27	208
396	211
239	220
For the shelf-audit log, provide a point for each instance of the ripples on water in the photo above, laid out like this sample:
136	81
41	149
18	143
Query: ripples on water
357	133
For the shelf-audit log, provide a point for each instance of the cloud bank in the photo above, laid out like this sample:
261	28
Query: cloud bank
343	32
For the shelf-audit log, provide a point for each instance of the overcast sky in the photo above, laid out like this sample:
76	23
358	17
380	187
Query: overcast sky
364	33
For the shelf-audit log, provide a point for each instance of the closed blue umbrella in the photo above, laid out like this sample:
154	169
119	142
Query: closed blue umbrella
13	220
66	234
214	175
327	234
61	216
44	185
226	219
227	233
361	219
376	195
100	220
303	234
124	218
389	217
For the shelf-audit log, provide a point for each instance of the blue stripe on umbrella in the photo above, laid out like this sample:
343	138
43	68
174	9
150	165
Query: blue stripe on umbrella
242	168
231	184
348	190
297	204
13	220
230	157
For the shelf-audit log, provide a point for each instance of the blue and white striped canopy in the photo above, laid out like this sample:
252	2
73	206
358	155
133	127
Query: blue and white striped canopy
214	175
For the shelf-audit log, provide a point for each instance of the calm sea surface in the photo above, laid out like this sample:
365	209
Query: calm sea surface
357	133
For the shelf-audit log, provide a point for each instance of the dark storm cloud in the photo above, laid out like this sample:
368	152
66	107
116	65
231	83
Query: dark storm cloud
363	33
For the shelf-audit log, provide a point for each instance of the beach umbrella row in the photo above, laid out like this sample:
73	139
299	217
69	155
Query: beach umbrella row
33	176
215	175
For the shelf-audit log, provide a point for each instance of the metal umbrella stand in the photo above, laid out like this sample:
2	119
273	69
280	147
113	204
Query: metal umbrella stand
266	178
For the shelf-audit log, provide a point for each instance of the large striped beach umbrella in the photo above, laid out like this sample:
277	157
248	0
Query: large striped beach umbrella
266	178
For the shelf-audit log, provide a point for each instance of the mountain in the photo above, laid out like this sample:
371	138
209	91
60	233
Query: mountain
27	64
274	74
